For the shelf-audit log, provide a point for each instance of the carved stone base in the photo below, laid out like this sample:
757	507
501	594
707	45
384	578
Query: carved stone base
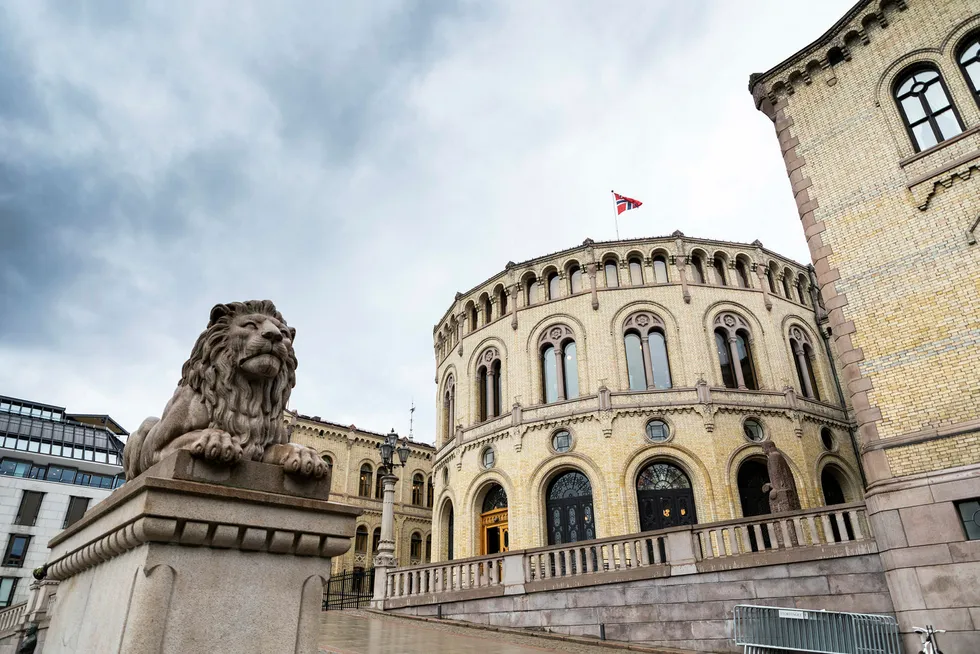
190	557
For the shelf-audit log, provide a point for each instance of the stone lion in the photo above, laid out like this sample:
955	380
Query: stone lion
229	402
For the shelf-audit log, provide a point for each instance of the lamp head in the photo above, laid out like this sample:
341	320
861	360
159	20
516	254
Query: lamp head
403	451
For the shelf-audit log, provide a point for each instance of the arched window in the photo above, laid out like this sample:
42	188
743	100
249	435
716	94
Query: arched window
771	280
329	461
429	492
734	348
786	285
636	271
718	269
531	290
801	290
449	409
664	497
559	364
364	483
379	487
488	375
360	540
553	281
646	352
742	273
416	546
574	279
799	344
697	269
418	489
487	307
969	61
923	101
612	273
660	269
375	540
471	316
428	548
569	510
501	294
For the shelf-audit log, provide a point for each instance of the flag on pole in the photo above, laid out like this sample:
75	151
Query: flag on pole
624	203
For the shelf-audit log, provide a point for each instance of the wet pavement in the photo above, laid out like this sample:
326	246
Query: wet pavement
363	632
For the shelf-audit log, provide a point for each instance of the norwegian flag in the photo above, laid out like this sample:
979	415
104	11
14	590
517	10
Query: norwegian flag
624	203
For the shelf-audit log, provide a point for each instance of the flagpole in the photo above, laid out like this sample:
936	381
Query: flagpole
615	213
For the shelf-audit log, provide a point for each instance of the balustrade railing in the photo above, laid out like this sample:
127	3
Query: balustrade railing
824	526
595	557
445	577
10	616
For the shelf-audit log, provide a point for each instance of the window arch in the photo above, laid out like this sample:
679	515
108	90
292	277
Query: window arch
647	363
611	269
471	316
488	375
697	267
553	286
664	497
360	539
568	507
718	270
429	492
636	271
799	344
771	280
449	409
660	275
428	548
801	290
418	489
742	273
734	345
416	547
379	487
574	279
486	306
327	459
364	482
787	282
923	101
531	290
969	61
501	294
375	540
559	363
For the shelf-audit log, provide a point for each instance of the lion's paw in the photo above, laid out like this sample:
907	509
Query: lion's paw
304	462
217	445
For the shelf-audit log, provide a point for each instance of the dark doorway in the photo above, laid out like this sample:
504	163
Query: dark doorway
834	494
752	476
664	497
450	539
569	509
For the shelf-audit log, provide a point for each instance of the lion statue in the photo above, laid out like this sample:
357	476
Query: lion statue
229	402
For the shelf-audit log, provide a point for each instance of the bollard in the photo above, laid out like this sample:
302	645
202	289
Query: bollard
602	631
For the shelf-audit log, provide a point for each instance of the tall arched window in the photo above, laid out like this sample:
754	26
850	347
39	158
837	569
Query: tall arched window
801	290
787	276
487	306
501	294
718	271
364	483
969	61
418	489
742	273
488	374
428	548
697	268
574	279
360	539
428	492
612	273
636	271
471	316
531	290
771	280
660	269
416	547
923	101
553	292
646	352
329	461
559	364
734	348
449	409
375	540
799	344
379	487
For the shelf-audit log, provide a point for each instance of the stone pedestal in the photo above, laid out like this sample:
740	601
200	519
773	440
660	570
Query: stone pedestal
190	557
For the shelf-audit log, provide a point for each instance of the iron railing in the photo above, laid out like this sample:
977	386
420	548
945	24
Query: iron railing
349	590
765	628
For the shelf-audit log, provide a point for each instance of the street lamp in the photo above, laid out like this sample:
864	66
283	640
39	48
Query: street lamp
385	557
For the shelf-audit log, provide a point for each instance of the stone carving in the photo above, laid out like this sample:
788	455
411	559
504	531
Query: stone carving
229	401
783	496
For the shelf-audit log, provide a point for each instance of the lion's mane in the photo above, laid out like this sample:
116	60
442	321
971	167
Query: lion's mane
251	411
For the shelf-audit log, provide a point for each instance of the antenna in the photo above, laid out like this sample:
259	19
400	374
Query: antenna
411	419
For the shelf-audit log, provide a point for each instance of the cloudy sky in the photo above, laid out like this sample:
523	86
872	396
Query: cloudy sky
357	163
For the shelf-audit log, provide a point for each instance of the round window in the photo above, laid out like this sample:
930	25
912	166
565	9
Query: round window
753	430
561	441
657	431
488	458
827	437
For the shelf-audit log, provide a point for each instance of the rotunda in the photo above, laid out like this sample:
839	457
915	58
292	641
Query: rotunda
628	386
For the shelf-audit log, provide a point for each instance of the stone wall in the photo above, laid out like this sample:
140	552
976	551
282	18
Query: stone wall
688	612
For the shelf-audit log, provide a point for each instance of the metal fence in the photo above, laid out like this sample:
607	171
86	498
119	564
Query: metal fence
349	590
764	628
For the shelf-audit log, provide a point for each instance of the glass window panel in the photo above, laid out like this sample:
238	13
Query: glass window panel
741	274
698	271
68	476
561	441
549	364
36	429
34	446
612	274
553	292
532	292
10	442
100	457
905	87
924	136
727	372
925	76
575	279
912	106
973	72
658	357
56	449
106	482
634	363
948	125
636	273
657	431
971	52
719	272
970	514
7	467
936	96
745	360
753	430
22	469
571	371
660	270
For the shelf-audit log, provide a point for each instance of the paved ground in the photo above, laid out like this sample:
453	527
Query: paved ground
362	632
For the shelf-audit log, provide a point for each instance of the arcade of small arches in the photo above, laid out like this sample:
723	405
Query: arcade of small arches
666	492
368	479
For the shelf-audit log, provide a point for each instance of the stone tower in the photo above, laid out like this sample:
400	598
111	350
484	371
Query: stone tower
878	122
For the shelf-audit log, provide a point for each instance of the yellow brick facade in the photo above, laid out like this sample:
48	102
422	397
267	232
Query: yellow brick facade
350	448
607	421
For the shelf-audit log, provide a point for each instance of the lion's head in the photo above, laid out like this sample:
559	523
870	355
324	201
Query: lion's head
244	367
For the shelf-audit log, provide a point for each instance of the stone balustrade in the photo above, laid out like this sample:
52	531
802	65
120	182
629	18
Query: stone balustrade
10	616
813	534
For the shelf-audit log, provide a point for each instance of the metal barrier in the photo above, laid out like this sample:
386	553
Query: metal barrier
761	628
349	590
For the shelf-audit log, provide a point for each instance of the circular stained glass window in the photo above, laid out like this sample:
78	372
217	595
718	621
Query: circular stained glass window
753	430
488	457
561	441
827	438
657	431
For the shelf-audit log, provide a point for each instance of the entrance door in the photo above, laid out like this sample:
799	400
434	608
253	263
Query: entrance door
665	497
494	536
569	509
752	476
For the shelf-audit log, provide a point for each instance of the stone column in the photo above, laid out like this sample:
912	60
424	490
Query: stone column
647	360
385	559
515	297
560	370
801	361
491	398
592	283
760	271
192	557
681	263
736	361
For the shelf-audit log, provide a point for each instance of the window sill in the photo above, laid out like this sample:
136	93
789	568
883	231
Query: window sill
939	146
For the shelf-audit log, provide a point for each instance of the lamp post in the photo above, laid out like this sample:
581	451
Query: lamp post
385	557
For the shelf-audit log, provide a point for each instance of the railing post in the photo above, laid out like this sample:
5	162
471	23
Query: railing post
512	573
680	552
